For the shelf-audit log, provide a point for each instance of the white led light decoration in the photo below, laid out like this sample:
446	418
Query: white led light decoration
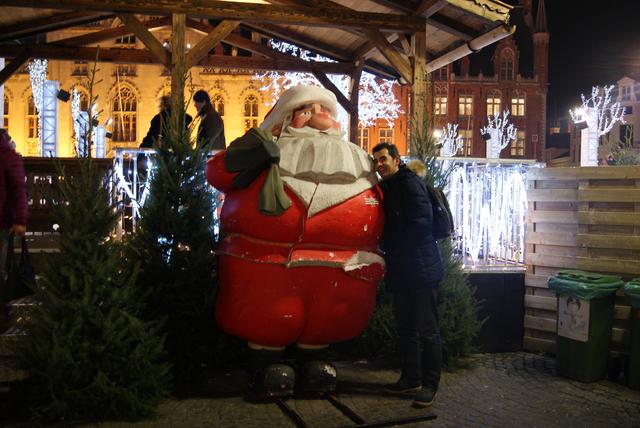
501	133
38	74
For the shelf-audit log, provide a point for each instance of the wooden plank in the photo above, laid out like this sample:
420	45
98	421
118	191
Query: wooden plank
419	84
577	173
13	66
202	48
497	11
295	15
48	23
609	218
149	40
608	265
609	195
553	195
627	242
536	323
540	302
328	84
621	312
561	262
111	33
537	344
564	239
390	53
536	281
178	70
559	217
427	8
354	96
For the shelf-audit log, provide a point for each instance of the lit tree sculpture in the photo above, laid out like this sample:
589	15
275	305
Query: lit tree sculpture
38	75
449	140
600	116
500	133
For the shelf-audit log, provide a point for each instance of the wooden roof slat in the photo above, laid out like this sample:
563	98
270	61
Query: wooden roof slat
296	15
429	7
149	40
452	27
214	37
13	66
391	54
49	23
111	33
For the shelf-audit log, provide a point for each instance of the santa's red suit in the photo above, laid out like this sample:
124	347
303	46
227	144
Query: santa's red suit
309	275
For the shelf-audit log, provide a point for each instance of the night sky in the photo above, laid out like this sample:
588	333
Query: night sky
592	43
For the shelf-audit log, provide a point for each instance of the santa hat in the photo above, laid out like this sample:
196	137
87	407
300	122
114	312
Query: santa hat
295	97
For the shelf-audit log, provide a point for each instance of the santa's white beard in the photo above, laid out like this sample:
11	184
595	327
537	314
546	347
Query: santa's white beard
321	168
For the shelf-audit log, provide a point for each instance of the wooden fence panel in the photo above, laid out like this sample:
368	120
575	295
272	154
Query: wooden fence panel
579	218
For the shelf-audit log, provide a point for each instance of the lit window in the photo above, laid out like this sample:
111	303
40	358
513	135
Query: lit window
440	105
625	93
385	135
80	68
250	112
5	124
493	105
506	65
517	105
126	40
363	138
124	107
467	141
517	146
32	128
465	105
218	104
125	70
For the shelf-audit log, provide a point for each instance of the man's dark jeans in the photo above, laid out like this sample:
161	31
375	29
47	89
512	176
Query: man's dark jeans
416	313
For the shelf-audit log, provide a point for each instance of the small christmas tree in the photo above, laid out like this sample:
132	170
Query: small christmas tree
174	244
89	354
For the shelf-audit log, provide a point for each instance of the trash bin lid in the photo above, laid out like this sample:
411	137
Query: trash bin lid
632	292
584	285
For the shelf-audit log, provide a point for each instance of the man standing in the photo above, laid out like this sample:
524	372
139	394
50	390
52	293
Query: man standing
211	129
414	272
13	198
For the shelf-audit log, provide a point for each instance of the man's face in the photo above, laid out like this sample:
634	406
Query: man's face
199	105
385	164
313	115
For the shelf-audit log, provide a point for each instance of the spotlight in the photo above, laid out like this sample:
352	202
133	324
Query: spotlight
486	136
63	95
108	134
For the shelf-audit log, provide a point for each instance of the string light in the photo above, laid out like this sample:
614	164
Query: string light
38	74
449	139
501	133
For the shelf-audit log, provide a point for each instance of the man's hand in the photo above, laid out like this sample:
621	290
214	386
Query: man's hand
18	229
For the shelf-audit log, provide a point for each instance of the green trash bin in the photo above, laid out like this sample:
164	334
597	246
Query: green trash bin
632	293
585	319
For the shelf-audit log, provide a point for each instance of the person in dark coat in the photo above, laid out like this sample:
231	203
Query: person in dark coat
13	198
159	122
414	272
211	129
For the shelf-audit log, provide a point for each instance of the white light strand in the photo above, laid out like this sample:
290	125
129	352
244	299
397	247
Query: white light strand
75	115
38	74
488	203
376	98
450	140
600	115
501	133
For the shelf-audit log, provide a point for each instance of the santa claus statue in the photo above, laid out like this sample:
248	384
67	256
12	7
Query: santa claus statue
299	263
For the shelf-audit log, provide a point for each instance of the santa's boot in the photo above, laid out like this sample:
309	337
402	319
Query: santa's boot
315	373
270	378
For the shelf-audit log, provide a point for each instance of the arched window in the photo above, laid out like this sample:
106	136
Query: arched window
250	112
506	64
124	108
218	104
517	104
493	103
440	101
5	123
32	128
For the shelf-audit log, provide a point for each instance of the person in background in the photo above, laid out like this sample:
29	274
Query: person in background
13	198
211	129
414	273
159	123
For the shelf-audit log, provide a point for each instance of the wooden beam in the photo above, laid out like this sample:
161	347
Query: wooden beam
143	56
149	40
111	33
394	5
429	7
58	21
419	87
487	10
214	37
393	56
452	27
178	30
292	15
368	47
354	92
13	66
344	102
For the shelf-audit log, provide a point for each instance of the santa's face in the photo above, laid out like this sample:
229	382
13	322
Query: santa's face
314	115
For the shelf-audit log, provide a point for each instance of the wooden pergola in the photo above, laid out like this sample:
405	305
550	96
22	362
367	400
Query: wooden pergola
395	39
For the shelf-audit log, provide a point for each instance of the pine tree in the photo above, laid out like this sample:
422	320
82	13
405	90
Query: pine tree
89	354
174	244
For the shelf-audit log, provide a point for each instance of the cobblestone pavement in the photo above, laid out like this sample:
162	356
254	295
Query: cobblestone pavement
499	390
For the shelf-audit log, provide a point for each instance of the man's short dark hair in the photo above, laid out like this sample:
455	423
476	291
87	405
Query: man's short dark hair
391	148
201	96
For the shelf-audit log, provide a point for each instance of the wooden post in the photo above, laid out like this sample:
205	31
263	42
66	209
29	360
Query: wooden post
353	97
419	87
177	63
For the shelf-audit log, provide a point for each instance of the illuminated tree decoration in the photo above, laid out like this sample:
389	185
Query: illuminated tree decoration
600	115
375	97
449	140
500	133
38	74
